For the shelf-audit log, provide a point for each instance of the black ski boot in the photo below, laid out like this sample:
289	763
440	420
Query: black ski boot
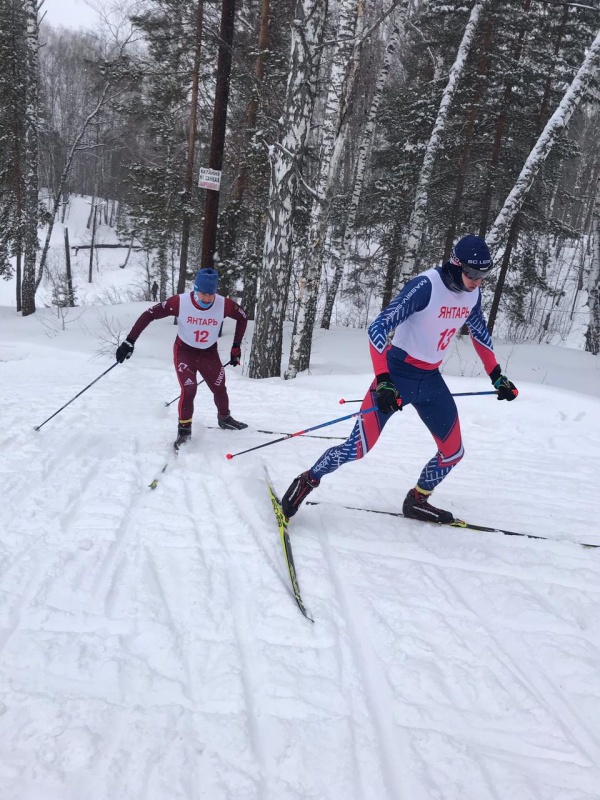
416	506
298	490
184	434
228	423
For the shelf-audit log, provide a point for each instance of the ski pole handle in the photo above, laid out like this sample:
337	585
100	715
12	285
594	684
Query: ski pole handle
454	394
299	433
198	384
37	427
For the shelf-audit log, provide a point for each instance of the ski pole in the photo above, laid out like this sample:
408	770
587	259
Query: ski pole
456	394
299	433
198	384
76	396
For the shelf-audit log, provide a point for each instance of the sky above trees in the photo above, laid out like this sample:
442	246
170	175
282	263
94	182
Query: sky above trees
68	13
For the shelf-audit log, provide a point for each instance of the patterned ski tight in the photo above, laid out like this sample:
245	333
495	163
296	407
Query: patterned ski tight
433	402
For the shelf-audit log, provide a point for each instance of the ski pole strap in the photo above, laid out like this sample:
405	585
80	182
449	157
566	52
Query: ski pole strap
76	396
454	394
299	433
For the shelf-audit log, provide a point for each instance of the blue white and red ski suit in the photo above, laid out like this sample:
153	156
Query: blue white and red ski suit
424	317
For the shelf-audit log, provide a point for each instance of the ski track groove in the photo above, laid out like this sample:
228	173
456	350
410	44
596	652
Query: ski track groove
250	683
105	581
257	527
174	626
367	547
25	598
106	758
45	495
41	573
572	726
378	699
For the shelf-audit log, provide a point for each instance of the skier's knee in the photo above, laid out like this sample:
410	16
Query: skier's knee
447	459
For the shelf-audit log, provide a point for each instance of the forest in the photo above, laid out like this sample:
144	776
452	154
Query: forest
362	139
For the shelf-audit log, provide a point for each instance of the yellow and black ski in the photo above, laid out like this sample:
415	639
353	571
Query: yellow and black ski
282	522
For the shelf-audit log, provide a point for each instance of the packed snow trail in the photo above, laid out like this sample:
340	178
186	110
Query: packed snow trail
149	645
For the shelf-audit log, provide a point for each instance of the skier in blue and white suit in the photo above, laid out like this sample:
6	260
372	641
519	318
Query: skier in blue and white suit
424	317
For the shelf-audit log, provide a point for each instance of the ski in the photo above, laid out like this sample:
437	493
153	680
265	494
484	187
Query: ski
284	433
304	435
154	483
169	461
282	523
458	523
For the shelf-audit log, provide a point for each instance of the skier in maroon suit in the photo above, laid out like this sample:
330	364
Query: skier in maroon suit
199	316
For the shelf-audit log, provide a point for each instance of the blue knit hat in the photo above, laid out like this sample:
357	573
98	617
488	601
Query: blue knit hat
207	280
472	251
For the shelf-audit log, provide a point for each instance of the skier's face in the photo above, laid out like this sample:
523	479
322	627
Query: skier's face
204	300
470	284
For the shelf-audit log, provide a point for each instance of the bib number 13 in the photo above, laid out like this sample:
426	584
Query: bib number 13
446	338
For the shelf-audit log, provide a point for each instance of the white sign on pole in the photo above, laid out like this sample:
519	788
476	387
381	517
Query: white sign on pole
209	179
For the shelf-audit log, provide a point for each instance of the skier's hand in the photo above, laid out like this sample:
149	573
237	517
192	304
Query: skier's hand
386	395
236	354
124	350
505	388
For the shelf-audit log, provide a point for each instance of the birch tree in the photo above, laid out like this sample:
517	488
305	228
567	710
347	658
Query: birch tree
554	127
330	151
30	160
360	169
286	165
592	337
419	212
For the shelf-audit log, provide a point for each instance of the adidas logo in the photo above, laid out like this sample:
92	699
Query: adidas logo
189	382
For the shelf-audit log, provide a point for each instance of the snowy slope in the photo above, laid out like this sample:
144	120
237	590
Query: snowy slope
149	646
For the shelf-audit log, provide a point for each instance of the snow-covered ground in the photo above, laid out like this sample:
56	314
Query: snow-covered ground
149	645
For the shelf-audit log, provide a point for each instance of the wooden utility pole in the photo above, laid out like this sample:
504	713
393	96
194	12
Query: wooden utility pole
68	269
189	173
211	204
95	209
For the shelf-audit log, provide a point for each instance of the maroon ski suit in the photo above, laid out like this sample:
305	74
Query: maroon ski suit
188	359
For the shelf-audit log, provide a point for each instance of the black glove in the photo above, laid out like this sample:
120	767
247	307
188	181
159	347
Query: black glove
505	388
386	394
236	354
124	350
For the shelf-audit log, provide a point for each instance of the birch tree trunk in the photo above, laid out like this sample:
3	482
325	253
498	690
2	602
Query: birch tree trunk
286	162
333	135
506	221
359	176
30	162
418	216
592	336
554	127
